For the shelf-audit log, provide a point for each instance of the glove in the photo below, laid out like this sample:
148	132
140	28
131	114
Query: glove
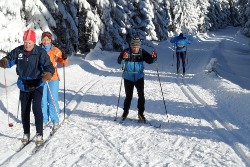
154	54
3	62
64	56
46	76
125	55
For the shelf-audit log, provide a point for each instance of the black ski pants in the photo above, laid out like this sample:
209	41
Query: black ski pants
182	56
129	88
34	97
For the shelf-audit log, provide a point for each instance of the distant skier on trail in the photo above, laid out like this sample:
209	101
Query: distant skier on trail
181	51
50	106
132	59
33	67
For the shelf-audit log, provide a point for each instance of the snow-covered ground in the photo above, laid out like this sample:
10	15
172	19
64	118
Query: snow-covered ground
207	121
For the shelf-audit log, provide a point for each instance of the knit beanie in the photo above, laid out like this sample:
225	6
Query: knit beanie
29	35
47	34
135	41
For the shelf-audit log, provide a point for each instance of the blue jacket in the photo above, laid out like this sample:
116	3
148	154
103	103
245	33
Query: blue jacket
30	68
180	43
134	65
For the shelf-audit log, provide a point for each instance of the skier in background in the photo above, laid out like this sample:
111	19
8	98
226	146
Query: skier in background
181	51
133	74
50	106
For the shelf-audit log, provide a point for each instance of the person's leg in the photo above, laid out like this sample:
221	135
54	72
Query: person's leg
45	109
129	88
25	111
37	109
178	62
183	57
141	98
53	101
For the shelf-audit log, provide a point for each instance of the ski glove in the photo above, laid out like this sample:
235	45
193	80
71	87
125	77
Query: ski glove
154	54
3	62
64	56
125	55
46	76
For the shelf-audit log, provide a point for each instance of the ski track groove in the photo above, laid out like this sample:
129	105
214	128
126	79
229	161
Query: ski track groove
26	151
108	142
230	137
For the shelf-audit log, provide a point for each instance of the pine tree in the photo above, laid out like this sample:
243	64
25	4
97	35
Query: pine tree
11	17
77	25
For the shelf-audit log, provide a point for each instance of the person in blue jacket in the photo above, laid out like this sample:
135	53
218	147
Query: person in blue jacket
181	51
33	67
132	59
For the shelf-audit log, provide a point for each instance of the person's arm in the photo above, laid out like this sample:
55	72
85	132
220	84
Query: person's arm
188	41
46	63
173	40
122	57
62	58
149	58
9	60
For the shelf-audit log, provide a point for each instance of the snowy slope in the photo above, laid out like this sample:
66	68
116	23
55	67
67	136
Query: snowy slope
207	121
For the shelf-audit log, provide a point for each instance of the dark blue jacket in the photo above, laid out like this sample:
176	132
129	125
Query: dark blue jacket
30	68
180	43
134	65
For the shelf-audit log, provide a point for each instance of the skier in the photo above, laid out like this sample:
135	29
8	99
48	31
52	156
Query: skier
133	74
33	67
50	106
181	51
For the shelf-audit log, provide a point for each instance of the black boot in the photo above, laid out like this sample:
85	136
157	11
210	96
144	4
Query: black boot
124	115
141	117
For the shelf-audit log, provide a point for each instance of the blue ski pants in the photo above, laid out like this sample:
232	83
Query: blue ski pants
50	106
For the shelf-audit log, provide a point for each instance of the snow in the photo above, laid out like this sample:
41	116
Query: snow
207	121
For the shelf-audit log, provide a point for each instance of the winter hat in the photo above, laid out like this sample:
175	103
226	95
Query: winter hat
47	34
135	41
29	35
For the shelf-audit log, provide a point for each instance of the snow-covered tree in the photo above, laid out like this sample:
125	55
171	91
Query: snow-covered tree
77	25
65	31
185	16
246	26
90	24
204	22
223	13
12	25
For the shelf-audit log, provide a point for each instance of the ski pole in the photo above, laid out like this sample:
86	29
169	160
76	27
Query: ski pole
123	68
173	56
63	90
19	100
161	89
53	101
6	91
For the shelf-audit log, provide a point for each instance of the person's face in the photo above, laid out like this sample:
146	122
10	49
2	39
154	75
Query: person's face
46	41
135	49
28	45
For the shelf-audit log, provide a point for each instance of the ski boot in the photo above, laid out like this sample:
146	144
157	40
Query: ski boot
26	138
39	139
141	118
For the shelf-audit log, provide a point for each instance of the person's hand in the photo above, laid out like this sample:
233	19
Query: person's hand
154	54
3	62
64	56
125	55
46	76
